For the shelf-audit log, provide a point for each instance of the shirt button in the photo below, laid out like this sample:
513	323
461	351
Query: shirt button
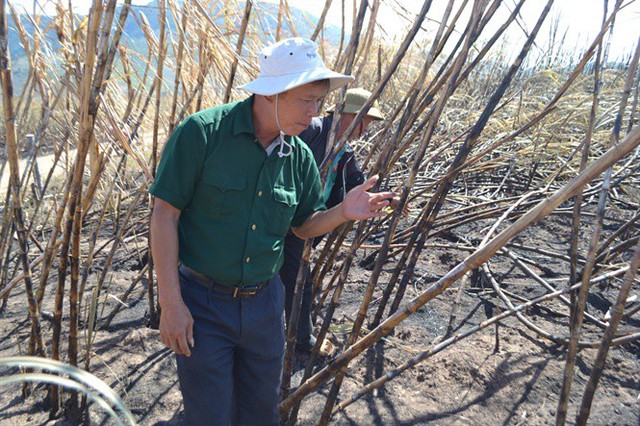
248	259
253	227
259	193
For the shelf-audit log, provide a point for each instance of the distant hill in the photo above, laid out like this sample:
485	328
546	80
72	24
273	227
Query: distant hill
135	39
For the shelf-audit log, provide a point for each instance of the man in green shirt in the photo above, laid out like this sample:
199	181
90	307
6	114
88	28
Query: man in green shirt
231	182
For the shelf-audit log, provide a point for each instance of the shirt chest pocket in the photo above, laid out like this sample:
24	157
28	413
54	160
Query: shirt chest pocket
284	207
222	192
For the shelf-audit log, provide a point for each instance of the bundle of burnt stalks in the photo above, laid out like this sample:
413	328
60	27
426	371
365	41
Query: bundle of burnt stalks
520	176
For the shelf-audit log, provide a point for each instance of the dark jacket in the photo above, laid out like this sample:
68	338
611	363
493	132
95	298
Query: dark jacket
348	173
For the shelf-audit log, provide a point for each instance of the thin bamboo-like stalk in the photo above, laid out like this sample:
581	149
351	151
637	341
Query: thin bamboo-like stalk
97	227
124	297
162	49
581	302
109	260
151	41
360	317
35	339
5	230
607	338
348	59
342	31
95	160
105	60
51	244
577	202
292	324
628	225
279	21
368	39
376	92
241	36
557	339
514	14
323	16
411	97
86	129
153	314
182	28
292	26
327	257
78	205
518	262
616	250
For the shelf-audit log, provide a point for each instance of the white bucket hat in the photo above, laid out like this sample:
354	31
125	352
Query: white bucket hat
290	63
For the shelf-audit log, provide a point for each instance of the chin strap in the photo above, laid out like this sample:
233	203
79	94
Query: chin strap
283	143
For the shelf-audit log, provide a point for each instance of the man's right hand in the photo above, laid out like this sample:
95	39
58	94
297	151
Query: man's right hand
176	322
176	327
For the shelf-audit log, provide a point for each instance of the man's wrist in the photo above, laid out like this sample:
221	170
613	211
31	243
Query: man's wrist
342	214
168	300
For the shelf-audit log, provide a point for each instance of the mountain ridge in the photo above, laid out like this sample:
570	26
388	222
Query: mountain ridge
136	39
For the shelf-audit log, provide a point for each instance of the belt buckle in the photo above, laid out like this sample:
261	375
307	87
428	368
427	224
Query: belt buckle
236	291
249	293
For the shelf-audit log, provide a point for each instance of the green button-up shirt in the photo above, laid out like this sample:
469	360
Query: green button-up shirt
237	202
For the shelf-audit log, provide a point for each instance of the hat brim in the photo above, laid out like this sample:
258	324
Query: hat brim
373	112
268	86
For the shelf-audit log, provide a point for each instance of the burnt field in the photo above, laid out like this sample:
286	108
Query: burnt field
507	295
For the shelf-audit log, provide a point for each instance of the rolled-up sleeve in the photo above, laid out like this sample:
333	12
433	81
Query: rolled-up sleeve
311	196
181	164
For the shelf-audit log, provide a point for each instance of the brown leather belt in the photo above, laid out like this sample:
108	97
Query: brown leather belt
209	282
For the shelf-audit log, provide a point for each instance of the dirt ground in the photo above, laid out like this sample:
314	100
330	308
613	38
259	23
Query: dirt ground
506	375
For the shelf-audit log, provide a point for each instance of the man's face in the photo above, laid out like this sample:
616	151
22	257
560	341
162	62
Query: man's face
360	129
298	106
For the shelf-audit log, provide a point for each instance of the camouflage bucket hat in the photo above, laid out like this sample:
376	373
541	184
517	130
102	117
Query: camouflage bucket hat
355	100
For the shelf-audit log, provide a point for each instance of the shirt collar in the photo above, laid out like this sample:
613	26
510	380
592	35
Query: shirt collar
243	119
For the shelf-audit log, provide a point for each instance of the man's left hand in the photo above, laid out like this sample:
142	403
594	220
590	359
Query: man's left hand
359	204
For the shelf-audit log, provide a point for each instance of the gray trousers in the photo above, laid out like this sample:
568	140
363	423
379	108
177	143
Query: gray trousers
234	372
